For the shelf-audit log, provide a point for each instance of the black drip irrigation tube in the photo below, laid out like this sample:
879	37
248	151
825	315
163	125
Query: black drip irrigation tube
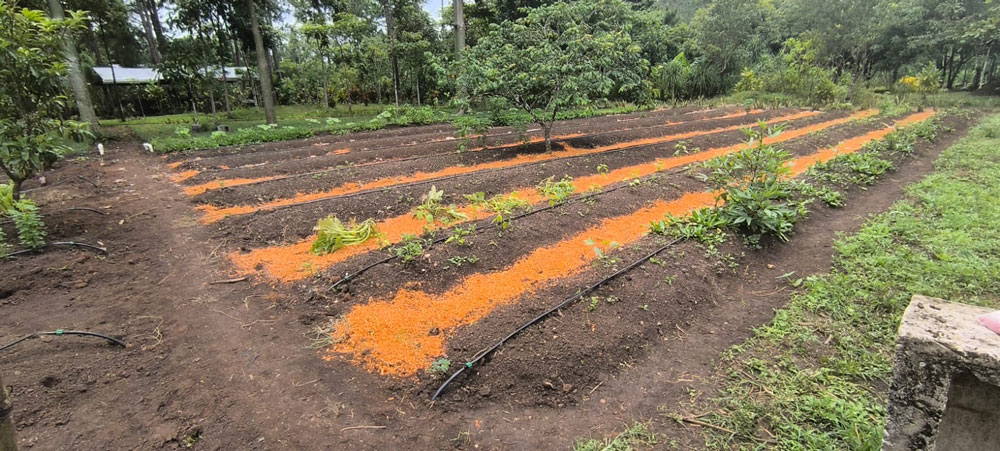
60	332
499	147
483	354
60	243
449	177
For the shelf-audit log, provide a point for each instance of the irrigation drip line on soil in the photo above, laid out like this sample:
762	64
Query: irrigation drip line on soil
436	241
579	295
439	179
60	332
449	177
60	243
239	151
499	147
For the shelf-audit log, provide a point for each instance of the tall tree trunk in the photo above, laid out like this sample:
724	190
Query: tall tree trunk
8	442
147	26
114	79
459	27
194	104
460	42
326	84
75	75
390	29
266	89
981	80
154	17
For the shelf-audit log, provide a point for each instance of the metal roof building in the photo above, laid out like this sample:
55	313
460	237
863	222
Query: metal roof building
142	75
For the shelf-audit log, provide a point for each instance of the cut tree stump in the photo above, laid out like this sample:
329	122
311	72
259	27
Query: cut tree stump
7	440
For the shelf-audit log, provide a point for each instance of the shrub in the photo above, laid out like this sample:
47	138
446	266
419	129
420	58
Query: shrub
27	221
794	73
753	187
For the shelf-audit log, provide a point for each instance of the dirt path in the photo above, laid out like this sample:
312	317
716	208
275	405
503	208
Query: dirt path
223	366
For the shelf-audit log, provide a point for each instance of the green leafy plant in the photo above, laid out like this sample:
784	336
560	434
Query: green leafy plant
432	210
753	188
331	234
27	221
32	98
503	205
461	260
409	249
704	224
183	132
557	192
829	196
467	127
602	256
459	234
602	169
440	366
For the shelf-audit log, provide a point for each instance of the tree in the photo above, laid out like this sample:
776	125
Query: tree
75	74
263	66
557	57
32	101
8	442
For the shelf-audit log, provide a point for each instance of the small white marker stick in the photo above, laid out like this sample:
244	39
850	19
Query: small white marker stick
100	149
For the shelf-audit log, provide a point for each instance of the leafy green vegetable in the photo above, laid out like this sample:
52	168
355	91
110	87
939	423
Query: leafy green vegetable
331	234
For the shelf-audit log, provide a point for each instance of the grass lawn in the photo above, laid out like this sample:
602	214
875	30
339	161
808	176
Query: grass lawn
816	377
163	127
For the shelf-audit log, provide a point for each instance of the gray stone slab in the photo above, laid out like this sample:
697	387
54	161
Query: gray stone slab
945	391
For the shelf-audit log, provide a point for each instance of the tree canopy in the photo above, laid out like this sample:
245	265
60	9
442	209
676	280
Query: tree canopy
558	56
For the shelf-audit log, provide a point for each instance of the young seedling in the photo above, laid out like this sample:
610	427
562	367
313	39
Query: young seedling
432	210
459	234
461	260
408	250
557	192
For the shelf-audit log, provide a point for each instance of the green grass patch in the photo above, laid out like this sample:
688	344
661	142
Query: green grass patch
634	437
171	133
815	377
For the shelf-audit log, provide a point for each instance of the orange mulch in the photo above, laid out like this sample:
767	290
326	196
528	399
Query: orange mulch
802	164
289	262
182	176
214	214
195	190
391	336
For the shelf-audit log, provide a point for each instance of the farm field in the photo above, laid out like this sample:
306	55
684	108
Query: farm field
239	334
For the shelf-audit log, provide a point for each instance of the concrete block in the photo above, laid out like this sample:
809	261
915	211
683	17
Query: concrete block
945	391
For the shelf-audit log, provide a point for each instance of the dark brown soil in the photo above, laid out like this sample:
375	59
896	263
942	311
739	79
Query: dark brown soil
296	222
325	158
441	135
287	187
224	366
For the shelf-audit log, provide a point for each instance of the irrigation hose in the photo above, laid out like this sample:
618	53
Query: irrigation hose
449	177
61	243
60	332
482	355
499	147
